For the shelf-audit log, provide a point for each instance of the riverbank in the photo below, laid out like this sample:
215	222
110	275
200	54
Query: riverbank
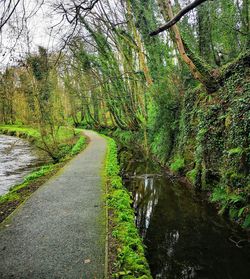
19	193
126	255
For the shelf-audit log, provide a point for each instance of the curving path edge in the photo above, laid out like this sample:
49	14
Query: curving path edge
59	232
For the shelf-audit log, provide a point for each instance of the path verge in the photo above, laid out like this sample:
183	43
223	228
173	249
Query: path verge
125	248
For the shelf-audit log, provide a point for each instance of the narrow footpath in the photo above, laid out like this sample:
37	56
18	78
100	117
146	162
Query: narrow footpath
59	232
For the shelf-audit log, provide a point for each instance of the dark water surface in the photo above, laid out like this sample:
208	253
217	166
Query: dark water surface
17	158
185	237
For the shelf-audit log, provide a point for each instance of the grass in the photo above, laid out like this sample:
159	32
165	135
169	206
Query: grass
130	261
57	150
63	133
29	131
15	191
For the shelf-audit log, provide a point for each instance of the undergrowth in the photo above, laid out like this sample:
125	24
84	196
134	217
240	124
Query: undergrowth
233	203
126	138
130	260
177	165
78	146
212	142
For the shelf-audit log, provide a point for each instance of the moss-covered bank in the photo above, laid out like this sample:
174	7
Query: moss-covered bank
126	251
213	142
206	137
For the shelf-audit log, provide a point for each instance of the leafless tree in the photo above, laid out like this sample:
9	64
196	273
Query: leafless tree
15	16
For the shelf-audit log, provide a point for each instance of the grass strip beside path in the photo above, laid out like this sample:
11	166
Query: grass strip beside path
126	251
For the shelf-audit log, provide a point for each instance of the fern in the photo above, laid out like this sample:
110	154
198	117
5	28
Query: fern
229	202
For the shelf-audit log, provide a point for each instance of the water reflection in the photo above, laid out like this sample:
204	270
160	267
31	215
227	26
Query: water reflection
17	158
184	238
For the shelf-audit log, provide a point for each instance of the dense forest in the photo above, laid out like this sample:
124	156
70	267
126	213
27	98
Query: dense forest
171	77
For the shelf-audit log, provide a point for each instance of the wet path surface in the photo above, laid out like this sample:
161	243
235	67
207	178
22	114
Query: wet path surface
17	158
59	232
185	238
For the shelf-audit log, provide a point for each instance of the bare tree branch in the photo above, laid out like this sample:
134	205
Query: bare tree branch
175	19
9	15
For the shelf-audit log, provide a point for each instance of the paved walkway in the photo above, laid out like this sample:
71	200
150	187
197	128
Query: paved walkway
60	231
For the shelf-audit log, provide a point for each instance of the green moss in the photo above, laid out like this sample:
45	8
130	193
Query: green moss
191	175
130	260
178	164
213	140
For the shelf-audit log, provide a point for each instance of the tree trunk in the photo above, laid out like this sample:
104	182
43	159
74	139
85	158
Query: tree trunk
246	21
204	32
141	54
167	13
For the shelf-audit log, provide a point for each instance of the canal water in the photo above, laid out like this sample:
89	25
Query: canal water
185	238
17	158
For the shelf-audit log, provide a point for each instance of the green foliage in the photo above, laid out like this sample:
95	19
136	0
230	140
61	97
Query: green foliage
130	260
232	202
39	64
213	139
178	164
36	174
237	150
163	120
63	150
20	130
65	137
79	146
191	175
14	194
246	223
111	88
125	137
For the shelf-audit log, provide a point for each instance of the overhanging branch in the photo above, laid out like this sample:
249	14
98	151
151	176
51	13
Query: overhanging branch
175	19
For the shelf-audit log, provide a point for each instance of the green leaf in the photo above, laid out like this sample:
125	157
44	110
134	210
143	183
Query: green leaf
241	211
246	223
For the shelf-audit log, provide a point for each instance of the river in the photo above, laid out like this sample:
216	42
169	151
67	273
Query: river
184	236
17	158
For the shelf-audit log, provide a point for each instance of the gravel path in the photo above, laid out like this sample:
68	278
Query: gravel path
59	232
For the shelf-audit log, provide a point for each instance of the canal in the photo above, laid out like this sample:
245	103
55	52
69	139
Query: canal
184	236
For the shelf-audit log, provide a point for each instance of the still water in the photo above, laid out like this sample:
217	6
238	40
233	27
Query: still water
17	158
185	238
